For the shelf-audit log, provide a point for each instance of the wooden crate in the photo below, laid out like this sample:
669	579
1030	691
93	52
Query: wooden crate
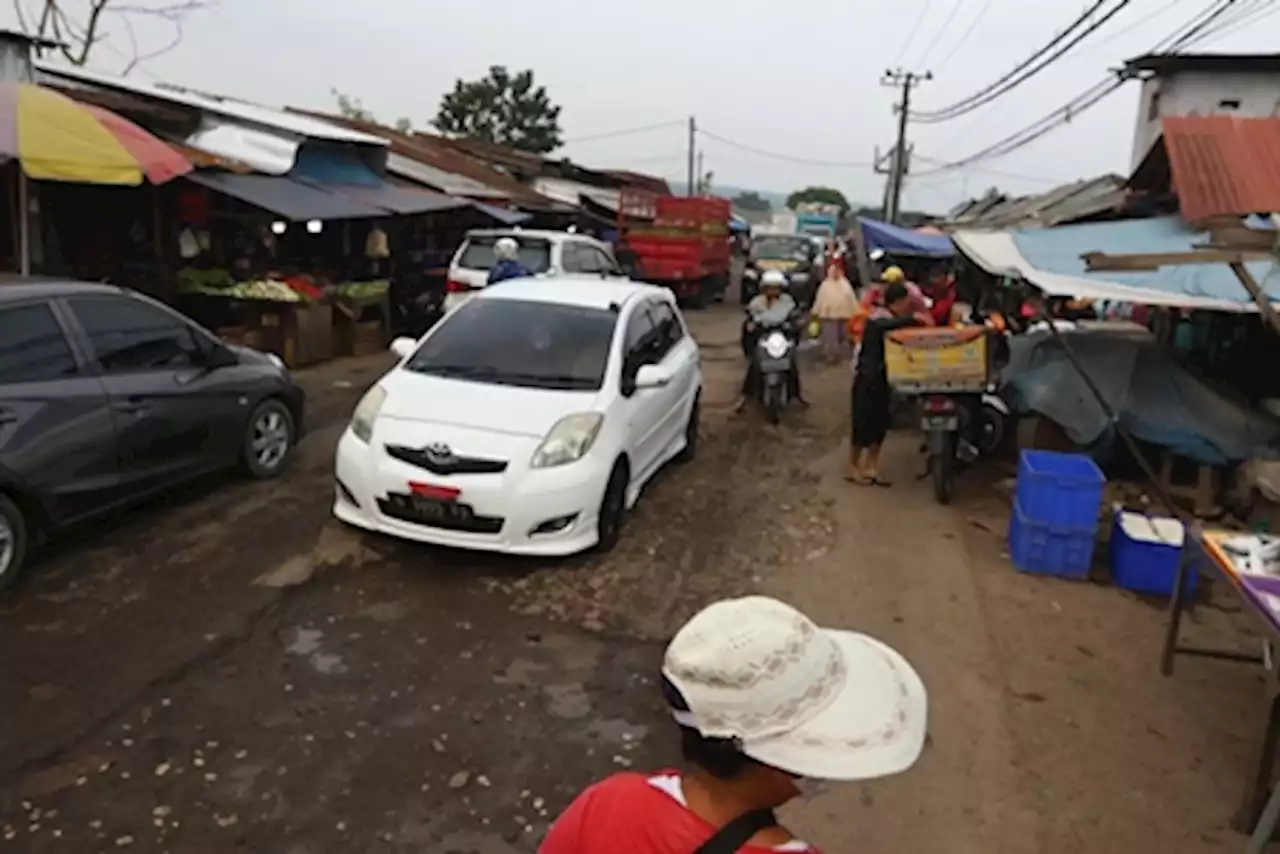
370	337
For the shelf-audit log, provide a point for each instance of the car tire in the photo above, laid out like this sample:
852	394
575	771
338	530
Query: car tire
268	439
613	509
13	542
690	449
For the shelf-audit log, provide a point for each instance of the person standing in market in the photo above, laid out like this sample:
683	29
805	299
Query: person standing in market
871	397
834	306
770	708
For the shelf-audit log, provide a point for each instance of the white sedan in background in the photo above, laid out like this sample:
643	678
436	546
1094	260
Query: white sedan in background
527	421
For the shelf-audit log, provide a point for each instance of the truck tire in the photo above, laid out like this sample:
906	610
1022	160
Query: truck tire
698	299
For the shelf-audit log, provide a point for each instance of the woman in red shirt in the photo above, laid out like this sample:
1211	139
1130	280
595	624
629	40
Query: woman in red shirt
768	705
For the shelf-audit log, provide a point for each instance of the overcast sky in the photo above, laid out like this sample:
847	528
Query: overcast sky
799	79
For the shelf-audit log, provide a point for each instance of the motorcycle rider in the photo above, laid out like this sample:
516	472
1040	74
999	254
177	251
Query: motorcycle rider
773	307
508	265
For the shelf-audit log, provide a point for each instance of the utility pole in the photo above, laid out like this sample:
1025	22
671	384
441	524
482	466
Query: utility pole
693	145
701	176
906	81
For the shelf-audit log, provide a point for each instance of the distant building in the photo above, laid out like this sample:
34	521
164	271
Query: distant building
1246	85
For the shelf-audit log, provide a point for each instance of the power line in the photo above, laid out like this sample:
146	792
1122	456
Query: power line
1191	33
1251	16
1058	39
973	25
624	132
946	24
906	41
806	161
975	101
1115	34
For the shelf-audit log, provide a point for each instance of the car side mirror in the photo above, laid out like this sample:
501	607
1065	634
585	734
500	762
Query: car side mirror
221	356
402	347
652	376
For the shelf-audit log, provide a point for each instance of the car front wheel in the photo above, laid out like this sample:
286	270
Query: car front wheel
13	542
268	439
613	509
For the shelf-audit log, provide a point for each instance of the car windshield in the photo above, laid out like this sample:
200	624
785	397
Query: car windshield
535	254
782	249
520	343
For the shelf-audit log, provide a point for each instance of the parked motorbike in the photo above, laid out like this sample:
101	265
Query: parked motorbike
963	425
417	315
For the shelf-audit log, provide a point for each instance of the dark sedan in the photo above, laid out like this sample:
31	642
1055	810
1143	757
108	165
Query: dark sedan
108	398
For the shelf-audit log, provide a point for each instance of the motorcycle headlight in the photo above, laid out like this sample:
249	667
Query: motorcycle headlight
776	345
750	273
366	413
568	441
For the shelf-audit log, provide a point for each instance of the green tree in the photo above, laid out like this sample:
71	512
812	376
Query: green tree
750	200
820	195
354	109
502	109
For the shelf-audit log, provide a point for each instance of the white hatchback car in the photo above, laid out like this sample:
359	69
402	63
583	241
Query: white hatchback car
527	421
541	252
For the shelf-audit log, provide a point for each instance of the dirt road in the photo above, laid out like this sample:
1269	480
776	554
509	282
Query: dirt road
236	670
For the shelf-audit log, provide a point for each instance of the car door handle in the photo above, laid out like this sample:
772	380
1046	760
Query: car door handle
131	406
7	417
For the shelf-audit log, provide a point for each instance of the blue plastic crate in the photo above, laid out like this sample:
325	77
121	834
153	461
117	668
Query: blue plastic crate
1146	561
1043	549
1060	489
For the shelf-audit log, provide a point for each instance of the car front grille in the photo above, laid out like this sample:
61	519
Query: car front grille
445	466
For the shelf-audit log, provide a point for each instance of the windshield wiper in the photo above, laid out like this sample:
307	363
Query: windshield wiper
456	370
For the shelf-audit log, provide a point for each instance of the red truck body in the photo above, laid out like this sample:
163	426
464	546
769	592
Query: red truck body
677	241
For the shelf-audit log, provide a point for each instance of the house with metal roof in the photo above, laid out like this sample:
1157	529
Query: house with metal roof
1086	200
1204	84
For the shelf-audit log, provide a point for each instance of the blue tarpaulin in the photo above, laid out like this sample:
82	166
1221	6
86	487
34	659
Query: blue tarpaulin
903	241
1059	250
738	224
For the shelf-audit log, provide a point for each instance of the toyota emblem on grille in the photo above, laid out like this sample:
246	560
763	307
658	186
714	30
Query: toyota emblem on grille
439	453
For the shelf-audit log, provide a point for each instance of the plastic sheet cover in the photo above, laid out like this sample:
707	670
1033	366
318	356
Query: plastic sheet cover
1154	397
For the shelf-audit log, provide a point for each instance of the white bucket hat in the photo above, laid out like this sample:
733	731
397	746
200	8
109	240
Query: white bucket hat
818	703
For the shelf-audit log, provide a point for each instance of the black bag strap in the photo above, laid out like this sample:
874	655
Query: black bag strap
731	837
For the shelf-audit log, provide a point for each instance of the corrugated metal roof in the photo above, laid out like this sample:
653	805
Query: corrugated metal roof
652	183
1223	165
1065	203
428	151
202	159
289	122
447	182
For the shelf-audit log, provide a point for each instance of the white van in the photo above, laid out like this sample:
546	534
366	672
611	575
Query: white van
543	253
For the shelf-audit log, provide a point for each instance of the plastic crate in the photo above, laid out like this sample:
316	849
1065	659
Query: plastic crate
1144	556
1044	549
1060	489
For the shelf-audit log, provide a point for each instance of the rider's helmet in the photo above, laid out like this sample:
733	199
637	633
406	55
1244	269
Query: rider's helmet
506	249
894	276
774	279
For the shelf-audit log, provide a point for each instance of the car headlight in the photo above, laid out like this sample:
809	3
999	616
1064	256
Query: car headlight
278	362
568	441
366	413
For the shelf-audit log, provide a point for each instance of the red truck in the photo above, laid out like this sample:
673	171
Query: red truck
677	241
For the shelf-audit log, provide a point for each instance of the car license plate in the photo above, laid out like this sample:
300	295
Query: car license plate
939	422
436	510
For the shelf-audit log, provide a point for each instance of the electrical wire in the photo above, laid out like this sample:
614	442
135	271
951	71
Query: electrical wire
806	161
1031	60
973	25
1115	34
906	41
946	24
1189	34
1266	9
613	134
972	103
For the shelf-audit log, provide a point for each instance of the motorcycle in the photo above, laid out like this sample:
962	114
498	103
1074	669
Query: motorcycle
960	427
775	351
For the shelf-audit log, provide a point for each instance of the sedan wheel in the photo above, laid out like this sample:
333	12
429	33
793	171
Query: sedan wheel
13	542
268	439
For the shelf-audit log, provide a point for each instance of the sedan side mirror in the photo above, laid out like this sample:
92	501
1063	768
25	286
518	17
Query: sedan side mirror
402	347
